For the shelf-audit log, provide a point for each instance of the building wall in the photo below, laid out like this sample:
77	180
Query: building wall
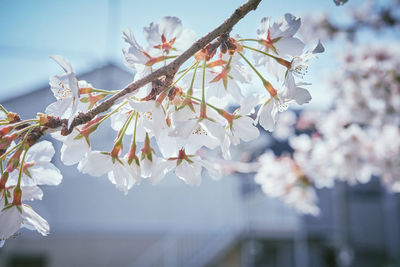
94	224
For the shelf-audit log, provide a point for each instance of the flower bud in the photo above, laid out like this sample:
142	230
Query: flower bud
5	130
3	180
93	99
147	150
17	196
132	155
85	90
13	162
271	90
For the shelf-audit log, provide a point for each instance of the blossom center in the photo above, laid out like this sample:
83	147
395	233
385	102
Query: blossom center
199	131
63	91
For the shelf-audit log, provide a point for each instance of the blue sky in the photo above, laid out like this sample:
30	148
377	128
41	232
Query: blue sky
88	33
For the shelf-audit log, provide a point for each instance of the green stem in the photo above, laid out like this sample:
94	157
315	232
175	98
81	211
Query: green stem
111	113
203	95
21	167
251	66
249	39
125	126
181	71
104	91
262	52
198	99
180	77
29	131
190	90
30	128
3	109
169	57
23	122
9	151
134	129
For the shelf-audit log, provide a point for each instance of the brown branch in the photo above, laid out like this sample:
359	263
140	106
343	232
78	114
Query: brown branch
168	70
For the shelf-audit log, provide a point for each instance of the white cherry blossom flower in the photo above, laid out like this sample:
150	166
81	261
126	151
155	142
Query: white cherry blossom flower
288	94
98	163
299	64
168	36
227	79
283	178
152	118
65	89
186	167
239	126
278	39
134	56
73	149
193	132
14	217
285	125
38	169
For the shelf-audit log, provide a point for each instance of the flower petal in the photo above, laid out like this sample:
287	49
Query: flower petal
60	60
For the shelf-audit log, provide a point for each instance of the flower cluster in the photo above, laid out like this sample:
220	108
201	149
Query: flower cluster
355	140
28	168
168	121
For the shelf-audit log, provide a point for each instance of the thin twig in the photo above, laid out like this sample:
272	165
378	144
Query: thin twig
168	70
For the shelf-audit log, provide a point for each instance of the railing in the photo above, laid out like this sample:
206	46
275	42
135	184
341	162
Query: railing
185	249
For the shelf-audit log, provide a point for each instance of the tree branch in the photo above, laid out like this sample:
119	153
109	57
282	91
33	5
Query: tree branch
168	70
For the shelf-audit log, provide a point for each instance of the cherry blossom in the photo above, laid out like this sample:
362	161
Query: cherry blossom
134	56
98	163
186	167
66	91
289	93
176	113
282	177
37	169
168	36
73	149
13	217
279	38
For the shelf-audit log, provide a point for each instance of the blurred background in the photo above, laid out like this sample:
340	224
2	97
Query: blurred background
220	223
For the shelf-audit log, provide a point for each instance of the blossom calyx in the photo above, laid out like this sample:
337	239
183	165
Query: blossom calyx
182	156
132	155
17	195
92	99
5	142
3	180
5	130
207	52
166	46
147	150
13	162
271	90
89	128
188	102
117	150
228	116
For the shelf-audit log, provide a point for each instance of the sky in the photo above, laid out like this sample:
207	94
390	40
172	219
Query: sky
88	33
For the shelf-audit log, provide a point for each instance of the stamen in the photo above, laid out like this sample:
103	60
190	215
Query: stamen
199	131
282	106
63	91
